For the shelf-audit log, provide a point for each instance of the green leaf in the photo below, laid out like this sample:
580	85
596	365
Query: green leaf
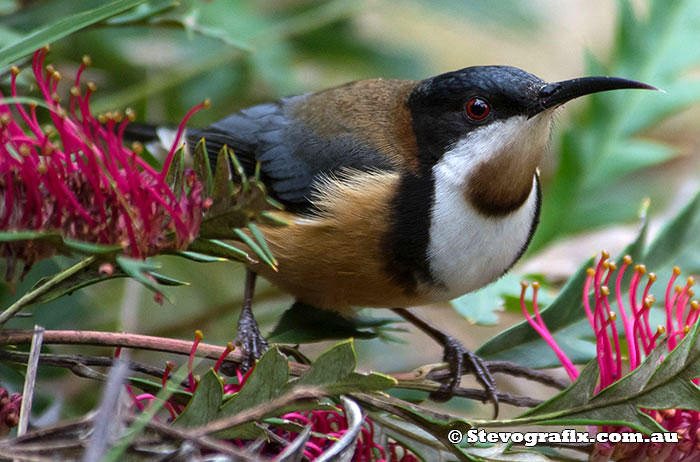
260	239
216	248
85	277
142	12
205	403
675	235
90	248
44	287
357	382
167	280
202	167
223	187
141	272
480	307
61	28
331	367
247	240
198	257
174	178
265	383
304	323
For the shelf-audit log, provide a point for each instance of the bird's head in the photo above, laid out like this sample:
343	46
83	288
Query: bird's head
486	128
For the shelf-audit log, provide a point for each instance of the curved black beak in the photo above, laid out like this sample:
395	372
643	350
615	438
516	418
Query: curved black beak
554	94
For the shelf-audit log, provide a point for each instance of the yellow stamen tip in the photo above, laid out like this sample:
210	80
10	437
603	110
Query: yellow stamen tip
652	277
604	255
87	61
15	70
198	334
660	329
206	103
676	271
535	285
590	272
627	259
605	291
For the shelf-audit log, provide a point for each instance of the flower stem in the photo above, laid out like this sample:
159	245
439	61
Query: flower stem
31	296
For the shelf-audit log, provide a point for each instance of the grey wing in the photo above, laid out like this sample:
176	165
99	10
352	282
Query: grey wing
293	159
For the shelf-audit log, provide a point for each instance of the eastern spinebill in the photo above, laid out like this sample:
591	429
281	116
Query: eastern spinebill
400	192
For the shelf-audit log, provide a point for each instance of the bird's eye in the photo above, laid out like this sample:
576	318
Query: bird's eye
477	109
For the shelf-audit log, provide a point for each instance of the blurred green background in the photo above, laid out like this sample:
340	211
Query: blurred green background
609	152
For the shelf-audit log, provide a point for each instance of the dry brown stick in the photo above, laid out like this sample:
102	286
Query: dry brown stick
258	412
202	441
126	340
71	361
515	370
412	380
30	380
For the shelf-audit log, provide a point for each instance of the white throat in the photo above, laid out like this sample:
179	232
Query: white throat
467	248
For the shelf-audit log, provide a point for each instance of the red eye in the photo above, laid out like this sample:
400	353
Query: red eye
477	109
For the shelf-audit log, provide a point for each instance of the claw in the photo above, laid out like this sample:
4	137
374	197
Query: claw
455	356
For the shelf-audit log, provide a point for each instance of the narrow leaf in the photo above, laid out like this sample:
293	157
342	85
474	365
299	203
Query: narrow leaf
247	240
260	239
202	167
61	28
221	249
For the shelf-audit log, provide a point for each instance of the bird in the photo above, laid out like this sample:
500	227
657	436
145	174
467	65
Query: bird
400	193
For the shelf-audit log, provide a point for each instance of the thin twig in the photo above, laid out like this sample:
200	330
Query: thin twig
258	412
202	441
125	340
415	380
70	361
515	370
30	380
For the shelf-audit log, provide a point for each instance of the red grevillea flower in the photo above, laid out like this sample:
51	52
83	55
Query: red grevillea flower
75	177
637	332
331	424
9	410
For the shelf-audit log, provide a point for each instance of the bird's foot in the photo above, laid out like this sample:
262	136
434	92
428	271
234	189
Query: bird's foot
458	357
250	340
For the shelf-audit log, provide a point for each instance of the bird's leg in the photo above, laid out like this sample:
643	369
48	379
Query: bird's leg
249	337
455	356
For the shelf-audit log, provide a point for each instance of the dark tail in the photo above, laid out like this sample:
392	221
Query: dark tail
141	131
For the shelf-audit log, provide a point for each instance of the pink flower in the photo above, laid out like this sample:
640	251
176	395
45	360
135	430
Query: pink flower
640	337
9	410
331	424
76	178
